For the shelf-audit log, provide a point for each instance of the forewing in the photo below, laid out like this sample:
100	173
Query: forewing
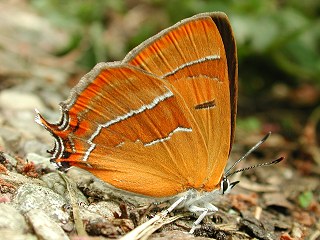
198	57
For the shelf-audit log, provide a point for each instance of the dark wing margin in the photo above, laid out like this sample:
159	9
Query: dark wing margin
224	27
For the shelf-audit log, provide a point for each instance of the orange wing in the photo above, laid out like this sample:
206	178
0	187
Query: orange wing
158	133
198	57
132	130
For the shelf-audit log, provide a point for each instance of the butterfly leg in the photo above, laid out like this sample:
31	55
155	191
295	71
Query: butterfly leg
174	205
206	210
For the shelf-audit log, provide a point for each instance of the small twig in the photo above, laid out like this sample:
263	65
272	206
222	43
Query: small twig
257	213
75	208
143	231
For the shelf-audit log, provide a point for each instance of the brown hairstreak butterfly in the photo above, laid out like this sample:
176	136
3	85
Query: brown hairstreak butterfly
161	122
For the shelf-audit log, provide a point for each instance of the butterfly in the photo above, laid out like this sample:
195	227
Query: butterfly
161	122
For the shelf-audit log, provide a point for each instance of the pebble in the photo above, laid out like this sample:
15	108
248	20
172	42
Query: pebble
7	234
11	138
11	160
35	146
18	180
22	121
106	209
31	196
22	100
44	227
42	162
55	182
11	219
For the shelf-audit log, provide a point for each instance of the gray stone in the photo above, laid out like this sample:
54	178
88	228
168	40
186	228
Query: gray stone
7	234
11	137
35	146
11	219
31	196
18	100
11	160
40	161
55	182
106	209
44	227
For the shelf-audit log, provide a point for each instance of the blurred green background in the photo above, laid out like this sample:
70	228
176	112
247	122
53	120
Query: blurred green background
278	48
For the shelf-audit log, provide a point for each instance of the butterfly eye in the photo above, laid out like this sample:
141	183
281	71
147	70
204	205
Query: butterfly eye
224	185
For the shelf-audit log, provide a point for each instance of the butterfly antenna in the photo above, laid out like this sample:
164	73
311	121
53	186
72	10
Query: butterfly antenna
255	166
227	173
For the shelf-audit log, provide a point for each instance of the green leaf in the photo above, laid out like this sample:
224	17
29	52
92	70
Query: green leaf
305	199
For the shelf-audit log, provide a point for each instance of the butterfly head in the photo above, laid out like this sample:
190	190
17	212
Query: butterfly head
226	185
